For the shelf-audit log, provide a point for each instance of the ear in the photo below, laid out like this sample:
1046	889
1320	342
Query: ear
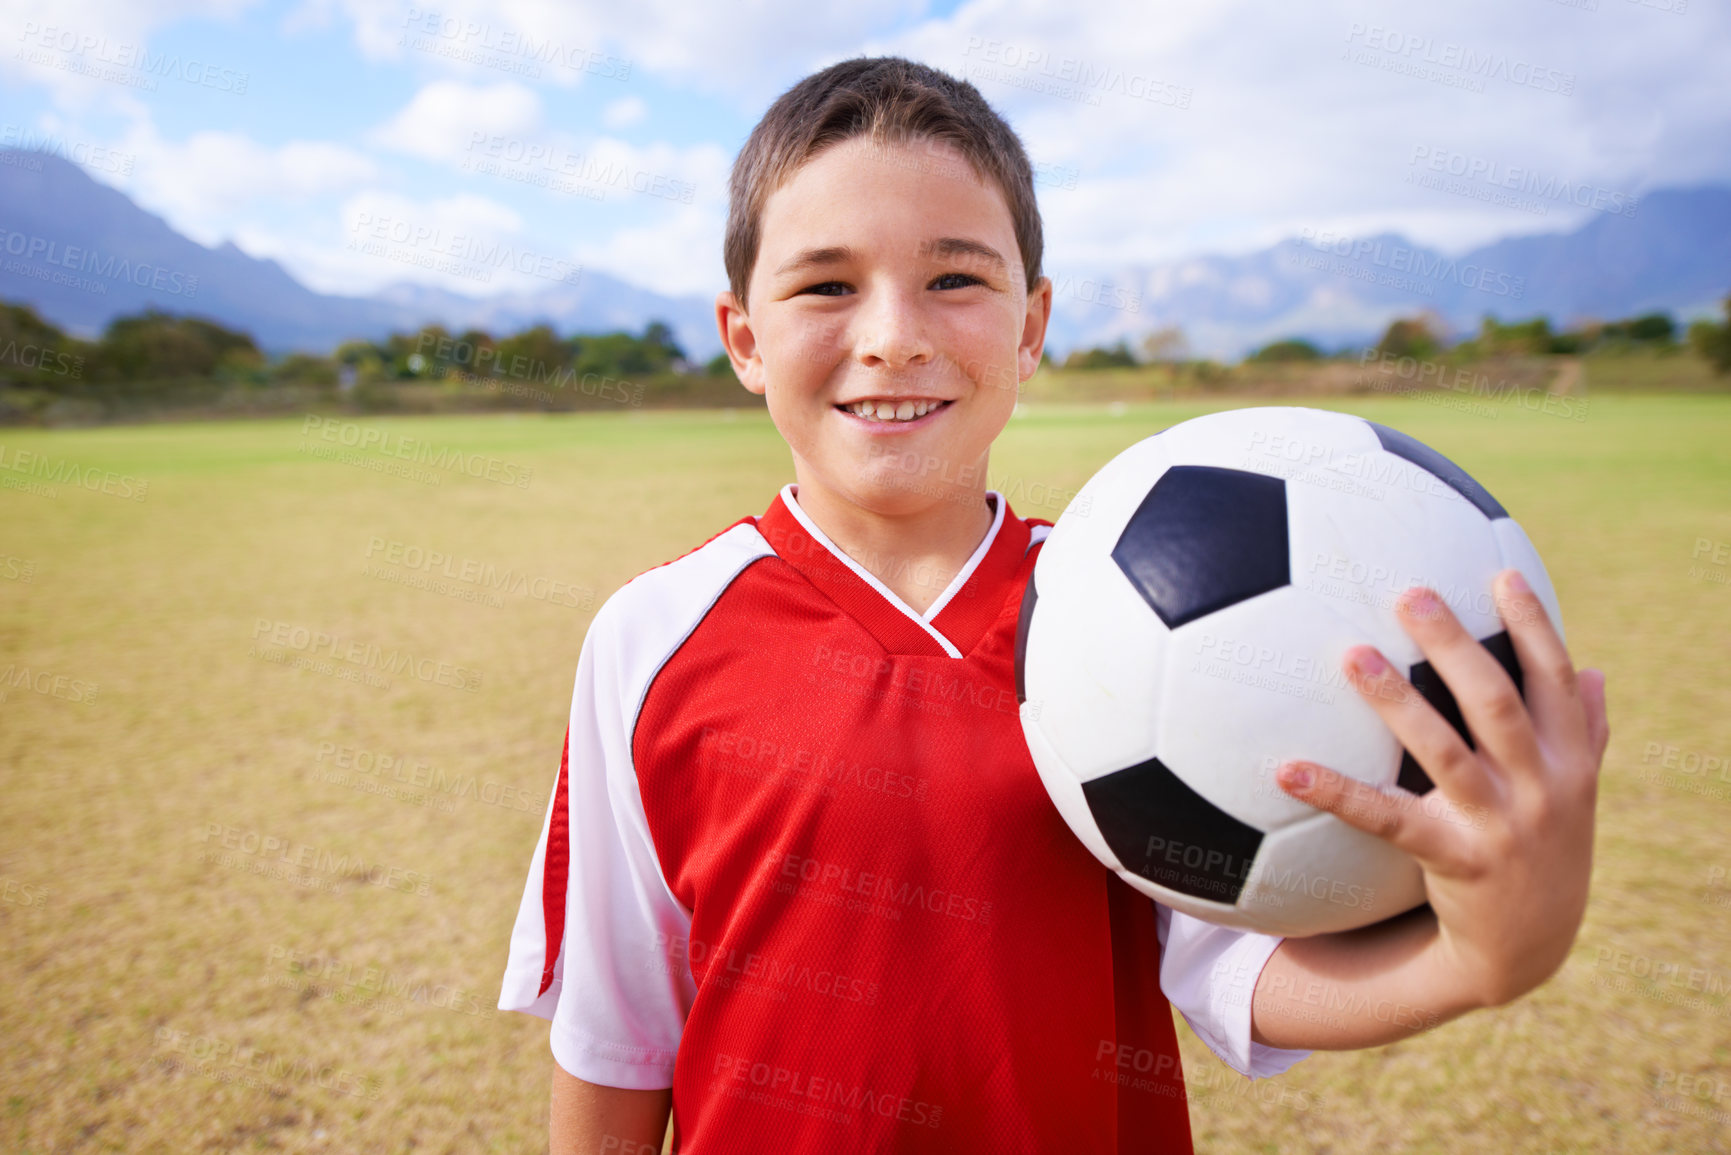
739	341
1034	327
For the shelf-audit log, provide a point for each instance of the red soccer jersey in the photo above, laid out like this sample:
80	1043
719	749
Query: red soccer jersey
799	867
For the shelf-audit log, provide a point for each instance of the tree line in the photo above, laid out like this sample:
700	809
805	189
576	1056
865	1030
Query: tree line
1426	336
154	347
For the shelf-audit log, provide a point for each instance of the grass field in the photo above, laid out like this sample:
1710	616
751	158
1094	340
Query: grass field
239	913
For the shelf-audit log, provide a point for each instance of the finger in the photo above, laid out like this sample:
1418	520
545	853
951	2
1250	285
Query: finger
1429	827
1426	734
1592	683
1549	683
1489	701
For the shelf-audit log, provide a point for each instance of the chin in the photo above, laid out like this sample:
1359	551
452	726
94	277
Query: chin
898	493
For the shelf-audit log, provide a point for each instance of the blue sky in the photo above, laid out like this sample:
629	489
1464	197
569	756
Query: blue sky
601	134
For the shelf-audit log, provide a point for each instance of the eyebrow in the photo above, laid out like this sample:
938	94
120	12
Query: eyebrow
943	247
813	258
963	247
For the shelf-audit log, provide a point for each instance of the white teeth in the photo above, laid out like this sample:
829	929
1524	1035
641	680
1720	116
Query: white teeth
892	410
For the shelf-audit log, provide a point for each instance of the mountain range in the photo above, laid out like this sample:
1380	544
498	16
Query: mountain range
1673	255
83	253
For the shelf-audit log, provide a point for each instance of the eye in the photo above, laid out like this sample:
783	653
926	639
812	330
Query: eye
957	281
825	289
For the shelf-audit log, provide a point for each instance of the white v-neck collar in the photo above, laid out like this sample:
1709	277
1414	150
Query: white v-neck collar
924	621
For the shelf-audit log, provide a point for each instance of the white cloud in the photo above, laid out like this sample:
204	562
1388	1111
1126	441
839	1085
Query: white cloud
744	52
660	172
58	44
445	118
678	253
1296	120
1283	128
209	183
465	244
464	213
1291	116
380	25
624	112
602	167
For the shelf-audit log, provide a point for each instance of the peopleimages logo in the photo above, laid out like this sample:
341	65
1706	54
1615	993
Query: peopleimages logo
458	38
96	56
464	254
84	259
39	359
32	146
418	451
825	1098
1448	62
1484	179
1375	259
532	162
1427	378
1070	77
58	471
275	641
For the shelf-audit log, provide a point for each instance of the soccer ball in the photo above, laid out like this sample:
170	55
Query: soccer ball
1182	636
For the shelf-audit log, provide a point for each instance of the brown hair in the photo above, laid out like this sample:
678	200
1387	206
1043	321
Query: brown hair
890	100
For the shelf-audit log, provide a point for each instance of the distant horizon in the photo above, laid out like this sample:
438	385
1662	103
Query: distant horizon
1515	232
1338	291
601	137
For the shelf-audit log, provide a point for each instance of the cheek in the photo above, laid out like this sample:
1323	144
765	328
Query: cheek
802	346
792	368
996	381
792	418
984	344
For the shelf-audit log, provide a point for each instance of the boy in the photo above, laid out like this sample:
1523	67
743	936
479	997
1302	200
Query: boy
799	882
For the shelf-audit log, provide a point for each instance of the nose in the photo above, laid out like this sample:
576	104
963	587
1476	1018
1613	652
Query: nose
890	330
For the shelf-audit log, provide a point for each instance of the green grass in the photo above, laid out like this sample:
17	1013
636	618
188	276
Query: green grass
122	952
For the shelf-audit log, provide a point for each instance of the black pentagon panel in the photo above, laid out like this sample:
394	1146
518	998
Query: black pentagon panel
1206	538
1430	684
1023	621
1413	450
1167	833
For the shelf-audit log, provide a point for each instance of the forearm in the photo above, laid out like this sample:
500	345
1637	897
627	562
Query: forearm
587	1117
1358	988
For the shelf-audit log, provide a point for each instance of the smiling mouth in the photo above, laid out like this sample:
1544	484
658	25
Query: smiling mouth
888	410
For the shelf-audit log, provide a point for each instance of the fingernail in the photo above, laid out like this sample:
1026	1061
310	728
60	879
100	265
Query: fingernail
1368	663
1422	603
1296	776
1518	584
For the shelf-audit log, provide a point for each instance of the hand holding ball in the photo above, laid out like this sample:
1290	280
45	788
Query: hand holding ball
1183	634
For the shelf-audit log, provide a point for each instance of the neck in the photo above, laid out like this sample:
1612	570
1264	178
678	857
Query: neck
915	553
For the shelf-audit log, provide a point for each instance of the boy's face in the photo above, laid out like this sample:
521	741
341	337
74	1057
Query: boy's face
888	282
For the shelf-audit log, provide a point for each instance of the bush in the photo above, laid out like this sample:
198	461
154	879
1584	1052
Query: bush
1713	342
304	369
1117	357
34	353
1291	349
155	346
1653	327
1415	337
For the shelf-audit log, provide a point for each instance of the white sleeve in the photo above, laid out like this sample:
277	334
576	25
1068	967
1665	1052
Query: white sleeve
1209	973
618	984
